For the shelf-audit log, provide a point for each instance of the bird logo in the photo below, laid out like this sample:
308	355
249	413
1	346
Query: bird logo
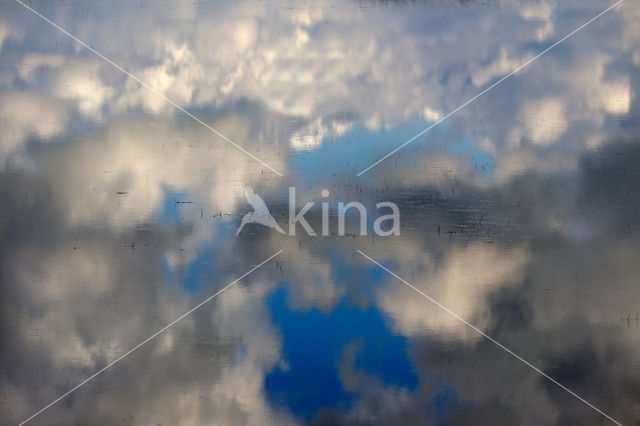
260	213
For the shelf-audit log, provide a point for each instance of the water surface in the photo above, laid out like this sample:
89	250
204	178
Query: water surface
520	213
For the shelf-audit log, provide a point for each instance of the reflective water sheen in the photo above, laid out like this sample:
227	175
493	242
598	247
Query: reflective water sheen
520	213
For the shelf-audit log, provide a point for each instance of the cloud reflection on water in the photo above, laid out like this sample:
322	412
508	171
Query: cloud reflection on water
519	214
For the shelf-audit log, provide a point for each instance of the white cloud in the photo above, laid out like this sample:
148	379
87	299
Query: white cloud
25	115
545	120
460	281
